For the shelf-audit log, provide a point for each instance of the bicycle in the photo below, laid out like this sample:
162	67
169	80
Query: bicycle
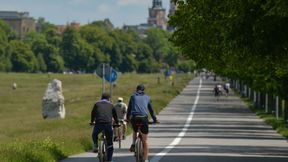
139	147
119	135
102	146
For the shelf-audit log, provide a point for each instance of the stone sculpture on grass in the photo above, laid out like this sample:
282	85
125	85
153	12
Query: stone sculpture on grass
53	101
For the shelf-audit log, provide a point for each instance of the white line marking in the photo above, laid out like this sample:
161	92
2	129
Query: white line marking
177	140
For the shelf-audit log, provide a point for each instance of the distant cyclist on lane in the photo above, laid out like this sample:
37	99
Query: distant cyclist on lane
138	108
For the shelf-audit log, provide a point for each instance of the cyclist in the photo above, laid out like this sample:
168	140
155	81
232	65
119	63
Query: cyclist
101	117
217	92
121	110
138	108
226	88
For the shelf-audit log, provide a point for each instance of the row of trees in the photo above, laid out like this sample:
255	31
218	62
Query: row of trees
245	40
85	48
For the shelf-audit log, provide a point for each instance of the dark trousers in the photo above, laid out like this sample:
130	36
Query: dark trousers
109	137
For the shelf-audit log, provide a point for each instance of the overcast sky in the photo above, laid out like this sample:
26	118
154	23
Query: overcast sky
120	12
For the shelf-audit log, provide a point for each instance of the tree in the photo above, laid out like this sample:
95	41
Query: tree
41	63
49	52
157	39
9	32
5	63
77	53
22	58
217	34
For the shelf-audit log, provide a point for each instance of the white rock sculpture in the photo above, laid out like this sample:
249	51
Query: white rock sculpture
53	101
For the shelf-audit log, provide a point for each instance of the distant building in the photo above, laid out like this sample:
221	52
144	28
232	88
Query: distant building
157	18
19	21
157	15
140	29
61	28
172	10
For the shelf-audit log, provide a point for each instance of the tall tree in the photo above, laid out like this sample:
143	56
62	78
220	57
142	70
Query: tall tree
157	39
5	63
77	53
22	58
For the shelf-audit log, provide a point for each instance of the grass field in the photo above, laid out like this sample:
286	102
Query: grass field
23	131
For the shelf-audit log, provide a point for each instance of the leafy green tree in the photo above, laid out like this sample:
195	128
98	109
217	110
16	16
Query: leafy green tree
10	33
49	52
129	65
22	58
77	53
5	63
148	66
242	39
157	39
124	52
41	63
186	66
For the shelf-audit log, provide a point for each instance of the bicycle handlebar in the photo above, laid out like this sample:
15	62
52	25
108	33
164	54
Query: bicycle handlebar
152	122
114	125
149	122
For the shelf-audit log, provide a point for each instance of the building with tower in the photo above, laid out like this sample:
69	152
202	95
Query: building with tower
157	15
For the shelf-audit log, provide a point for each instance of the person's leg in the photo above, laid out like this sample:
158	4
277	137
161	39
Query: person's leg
95	133
144	133
109	137
134	127
145	146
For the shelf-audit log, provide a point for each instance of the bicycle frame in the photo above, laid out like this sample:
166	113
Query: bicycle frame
119	134
102	151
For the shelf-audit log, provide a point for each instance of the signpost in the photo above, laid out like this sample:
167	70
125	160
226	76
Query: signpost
107	73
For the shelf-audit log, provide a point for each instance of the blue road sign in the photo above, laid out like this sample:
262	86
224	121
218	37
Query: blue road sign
112	77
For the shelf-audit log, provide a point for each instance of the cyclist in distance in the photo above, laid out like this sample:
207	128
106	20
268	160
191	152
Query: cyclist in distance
217	92
138	108
121	110
101	117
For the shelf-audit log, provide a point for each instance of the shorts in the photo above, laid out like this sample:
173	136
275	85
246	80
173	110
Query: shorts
142	121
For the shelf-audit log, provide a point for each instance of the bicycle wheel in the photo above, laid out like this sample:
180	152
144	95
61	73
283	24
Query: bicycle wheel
104	151
119	136
139	154
100	151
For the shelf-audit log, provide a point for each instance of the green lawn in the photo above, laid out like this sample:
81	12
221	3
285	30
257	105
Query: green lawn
24	132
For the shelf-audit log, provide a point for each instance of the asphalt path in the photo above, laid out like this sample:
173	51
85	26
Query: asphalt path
197	128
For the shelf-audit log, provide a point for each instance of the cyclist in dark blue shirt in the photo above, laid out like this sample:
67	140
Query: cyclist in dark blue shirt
138	109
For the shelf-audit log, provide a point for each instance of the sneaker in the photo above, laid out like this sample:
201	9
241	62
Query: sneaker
132	148
146	160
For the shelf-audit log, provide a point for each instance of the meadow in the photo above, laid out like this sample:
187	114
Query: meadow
26	136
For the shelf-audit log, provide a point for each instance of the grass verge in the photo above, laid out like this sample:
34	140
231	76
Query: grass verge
26	137
278	124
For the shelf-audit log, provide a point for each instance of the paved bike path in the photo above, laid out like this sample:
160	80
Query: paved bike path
195	127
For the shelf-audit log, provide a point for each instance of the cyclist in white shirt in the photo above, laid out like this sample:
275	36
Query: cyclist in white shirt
121	111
